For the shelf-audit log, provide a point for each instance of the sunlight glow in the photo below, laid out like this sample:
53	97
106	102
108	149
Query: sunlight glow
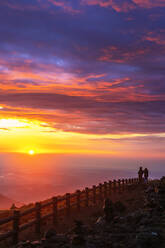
31	152
34	137
12	123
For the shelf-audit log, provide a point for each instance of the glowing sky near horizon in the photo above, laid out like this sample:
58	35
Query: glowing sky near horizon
83	76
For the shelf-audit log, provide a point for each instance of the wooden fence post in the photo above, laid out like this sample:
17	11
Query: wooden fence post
114	186
38	217
86	197
78	200
94	194
105	190
119	186
100	191
67	204
55	201
16	216
110	187
126	184
123	184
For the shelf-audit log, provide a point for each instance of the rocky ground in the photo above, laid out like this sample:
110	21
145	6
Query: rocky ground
142	225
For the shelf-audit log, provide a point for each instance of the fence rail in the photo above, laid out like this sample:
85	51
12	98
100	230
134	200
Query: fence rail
85	198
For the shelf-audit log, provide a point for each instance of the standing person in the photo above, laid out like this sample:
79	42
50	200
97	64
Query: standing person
140	174
146	175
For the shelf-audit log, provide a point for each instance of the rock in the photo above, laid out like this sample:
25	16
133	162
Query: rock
61	239
148	239
36	244
79	227
162	180
50	234
23	244
119	207
100	222
78	240
108	210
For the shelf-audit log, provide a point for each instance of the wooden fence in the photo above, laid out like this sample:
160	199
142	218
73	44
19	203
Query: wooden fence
78	200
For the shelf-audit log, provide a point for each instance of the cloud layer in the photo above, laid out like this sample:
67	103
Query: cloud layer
87	66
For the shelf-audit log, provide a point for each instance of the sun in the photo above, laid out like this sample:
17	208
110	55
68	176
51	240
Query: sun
31	152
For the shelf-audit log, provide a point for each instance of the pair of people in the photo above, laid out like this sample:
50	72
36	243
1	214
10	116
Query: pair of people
142	172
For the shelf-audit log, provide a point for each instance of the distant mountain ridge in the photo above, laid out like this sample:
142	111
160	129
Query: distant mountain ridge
6	203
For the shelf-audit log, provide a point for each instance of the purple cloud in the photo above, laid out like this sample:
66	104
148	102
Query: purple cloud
98	66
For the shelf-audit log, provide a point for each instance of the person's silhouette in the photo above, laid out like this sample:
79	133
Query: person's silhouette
140	174
146	173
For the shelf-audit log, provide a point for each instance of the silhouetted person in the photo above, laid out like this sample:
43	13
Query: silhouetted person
140	174
145	175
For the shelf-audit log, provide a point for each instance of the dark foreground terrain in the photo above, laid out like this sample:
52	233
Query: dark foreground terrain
137	221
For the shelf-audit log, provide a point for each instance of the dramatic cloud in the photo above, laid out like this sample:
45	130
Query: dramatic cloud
88	66
158	38
88	115
117	5
125	5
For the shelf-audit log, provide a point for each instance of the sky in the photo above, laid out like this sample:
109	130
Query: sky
83	76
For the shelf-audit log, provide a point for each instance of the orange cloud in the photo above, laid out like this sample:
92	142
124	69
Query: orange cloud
117	55
158	38
125	5
65	6
149	3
